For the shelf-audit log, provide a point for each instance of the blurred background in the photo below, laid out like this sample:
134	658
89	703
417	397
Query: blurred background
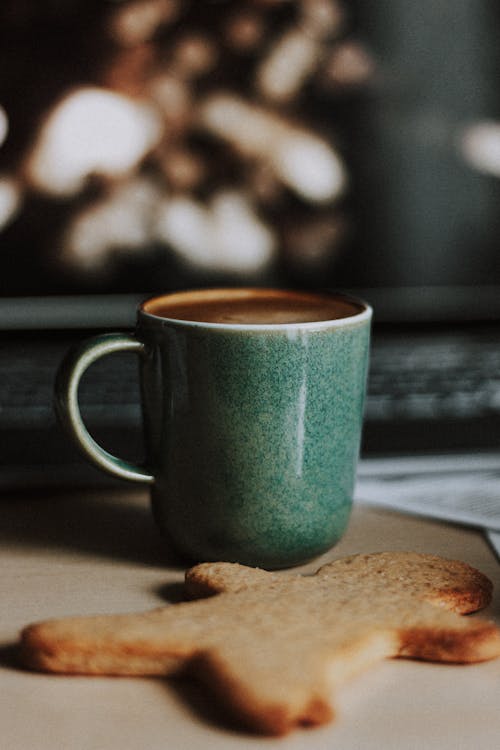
152	145
155	144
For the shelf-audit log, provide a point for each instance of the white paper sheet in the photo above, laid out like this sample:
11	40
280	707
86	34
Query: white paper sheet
461	489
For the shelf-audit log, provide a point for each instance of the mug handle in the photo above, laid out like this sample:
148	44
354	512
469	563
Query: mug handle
68	410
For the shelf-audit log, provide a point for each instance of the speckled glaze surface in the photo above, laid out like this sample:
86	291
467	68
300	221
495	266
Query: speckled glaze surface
252	430
253	434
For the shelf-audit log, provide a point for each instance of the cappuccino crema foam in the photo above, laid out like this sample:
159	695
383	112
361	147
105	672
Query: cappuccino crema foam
252	306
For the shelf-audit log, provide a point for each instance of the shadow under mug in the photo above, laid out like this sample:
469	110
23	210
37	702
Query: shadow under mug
252	430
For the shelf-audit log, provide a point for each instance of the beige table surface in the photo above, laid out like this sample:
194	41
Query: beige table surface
69	552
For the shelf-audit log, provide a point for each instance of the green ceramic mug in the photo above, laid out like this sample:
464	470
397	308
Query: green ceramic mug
252	406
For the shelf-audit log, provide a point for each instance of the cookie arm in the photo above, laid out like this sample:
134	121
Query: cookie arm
158	642
433	634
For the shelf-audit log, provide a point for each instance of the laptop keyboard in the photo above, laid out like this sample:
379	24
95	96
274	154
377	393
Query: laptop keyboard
433	392
425	392
109	391
431	379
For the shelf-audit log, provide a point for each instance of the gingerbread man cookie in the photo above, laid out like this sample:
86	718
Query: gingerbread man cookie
275	646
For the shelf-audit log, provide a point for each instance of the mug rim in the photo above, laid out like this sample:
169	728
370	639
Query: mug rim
365	313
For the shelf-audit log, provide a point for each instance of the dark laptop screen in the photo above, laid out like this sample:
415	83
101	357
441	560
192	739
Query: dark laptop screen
149	145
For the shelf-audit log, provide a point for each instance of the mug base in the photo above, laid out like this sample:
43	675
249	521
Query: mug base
215	551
